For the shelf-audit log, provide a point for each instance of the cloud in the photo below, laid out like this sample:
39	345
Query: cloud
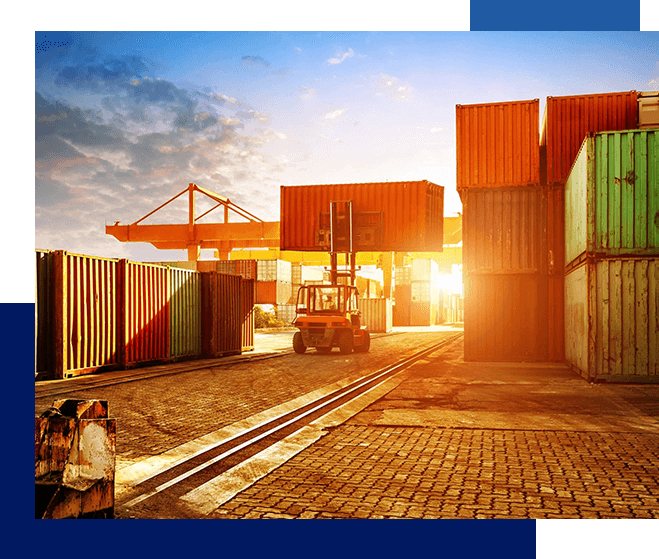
307	93
255	61
110	72
436	129
340	57
389	86
336	114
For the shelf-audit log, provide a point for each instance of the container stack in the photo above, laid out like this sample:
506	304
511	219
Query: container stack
612	257
513	195
566	121
424	292
504	245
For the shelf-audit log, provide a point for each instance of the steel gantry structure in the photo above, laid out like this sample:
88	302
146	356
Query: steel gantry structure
193	236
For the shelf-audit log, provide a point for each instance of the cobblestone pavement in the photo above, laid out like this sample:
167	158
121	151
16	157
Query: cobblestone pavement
451	440
361	471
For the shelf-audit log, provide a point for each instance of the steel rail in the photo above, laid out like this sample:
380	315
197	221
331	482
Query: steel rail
326	403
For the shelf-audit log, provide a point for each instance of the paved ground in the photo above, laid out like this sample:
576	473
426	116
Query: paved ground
448	440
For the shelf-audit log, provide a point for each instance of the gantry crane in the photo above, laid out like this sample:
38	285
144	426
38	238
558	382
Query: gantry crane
194	236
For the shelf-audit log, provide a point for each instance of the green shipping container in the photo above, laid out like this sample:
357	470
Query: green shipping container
184	313
612	319
612	196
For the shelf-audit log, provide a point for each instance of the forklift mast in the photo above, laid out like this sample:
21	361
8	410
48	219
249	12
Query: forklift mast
341	241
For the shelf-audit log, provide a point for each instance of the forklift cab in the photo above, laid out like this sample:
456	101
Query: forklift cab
328	316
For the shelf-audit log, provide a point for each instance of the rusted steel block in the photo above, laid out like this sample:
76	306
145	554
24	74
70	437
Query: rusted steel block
74	459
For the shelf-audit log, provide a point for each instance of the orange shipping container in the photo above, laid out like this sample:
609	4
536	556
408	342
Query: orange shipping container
387	216
568	119
273	293
497	144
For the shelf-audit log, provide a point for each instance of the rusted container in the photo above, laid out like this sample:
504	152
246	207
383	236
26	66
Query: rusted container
504	230
497	144
144	323
247	313
401	307
376	314
568	119
43	357
221	322
84	313
74	460
612	196
273	293
505	317
389	216
612	319
184	313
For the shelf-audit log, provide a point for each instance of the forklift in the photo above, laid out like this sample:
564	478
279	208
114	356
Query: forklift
327	316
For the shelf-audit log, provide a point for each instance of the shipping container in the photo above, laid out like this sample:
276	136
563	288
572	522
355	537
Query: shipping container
568	119
301	274
247	294
244	268
43	347
424	269
376	314
426	291
497	144
184	313
423	313
401	307
286	313
403	275
390	216
183	264
144	323
504	230
505	317
273	270
273	293
648	109
612	196
612	319
222	314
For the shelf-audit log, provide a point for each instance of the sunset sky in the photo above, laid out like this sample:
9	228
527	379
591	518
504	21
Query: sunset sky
126	120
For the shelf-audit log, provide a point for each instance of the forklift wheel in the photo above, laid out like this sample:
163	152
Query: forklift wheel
346	342
366	345
298	343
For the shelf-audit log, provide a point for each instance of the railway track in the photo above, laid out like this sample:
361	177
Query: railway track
199	478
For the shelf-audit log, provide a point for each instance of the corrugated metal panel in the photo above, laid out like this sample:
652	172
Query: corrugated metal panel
612	195
401	309
222	324
568	119
497	144
504	230
185	313
92	308
273	293
247	313
146	312
648	109
612	319
286	313
376	314
505	317
42	312
392	216
556	317
403	275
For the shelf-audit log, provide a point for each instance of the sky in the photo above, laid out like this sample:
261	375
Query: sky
124	121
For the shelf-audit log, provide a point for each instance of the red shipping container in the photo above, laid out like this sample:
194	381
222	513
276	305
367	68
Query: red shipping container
497	144
387	216
568	119
221	316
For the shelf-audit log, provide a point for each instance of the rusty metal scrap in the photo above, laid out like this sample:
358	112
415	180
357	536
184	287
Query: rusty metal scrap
74	460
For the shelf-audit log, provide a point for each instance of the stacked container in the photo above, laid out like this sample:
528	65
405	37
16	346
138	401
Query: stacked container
504	245
612	257
567	120
424	292
273	286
